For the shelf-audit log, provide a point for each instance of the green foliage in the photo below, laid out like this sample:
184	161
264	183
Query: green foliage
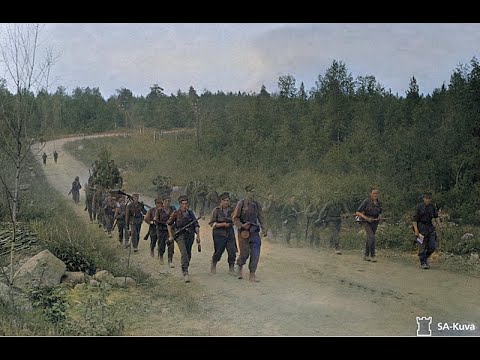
94	316
450	240
73	258
51	299
105	172
15	321
395	236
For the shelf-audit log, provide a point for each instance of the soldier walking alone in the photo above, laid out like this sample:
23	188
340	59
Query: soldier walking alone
75	190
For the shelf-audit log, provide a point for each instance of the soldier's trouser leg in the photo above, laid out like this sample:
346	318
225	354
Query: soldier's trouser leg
108	223
298	234
219	245
90	212
153	237
370	228
427	248
121	231
334	235
244	249
288	234
185	243
162	236
100	216
231	251
255	245
136	234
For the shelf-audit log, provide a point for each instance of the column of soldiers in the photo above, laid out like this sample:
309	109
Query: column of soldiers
295	222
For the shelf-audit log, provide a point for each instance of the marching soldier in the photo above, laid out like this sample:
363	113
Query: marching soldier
151	218
223	234
89	191
120	221
75	190
182	227
313	225
248	219
290	214
162	232
134	217
331	215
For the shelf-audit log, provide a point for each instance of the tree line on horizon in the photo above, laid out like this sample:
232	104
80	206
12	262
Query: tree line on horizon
341	126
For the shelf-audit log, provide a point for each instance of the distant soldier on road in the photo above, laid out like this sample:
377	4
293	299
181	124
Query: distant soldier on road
55	156
75	190
44	157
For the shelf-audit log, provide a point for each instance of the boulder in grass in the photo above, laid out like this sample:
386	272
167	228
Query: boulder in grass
45	268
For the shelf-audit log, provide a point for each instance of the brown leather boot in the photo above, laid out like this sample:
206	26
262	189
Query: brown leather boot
240	271
253	278
213	267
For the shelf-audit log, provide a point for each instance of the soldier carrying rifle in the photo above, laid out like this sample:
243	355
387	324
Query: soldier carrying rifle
182	227
331	215
370	210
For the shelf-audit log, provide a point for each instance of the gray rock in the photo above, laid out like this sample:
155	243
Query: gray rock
73	277
44	267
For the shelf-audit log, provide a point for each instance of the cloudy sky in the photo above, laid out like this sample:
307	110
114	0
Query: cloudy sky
243	56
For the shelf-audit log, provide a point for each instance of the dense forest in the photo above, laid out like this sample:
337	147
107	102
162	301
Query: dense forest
344	126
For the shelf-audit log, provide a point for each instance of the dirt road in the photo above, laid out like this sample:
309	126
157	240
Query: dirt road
305	292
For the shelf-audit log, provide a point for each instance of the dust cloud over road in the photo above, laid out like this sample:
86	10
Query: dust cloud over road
302	292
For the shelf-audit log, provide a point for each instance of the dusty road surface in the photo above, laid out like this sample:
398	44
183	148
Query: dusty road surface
303	292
